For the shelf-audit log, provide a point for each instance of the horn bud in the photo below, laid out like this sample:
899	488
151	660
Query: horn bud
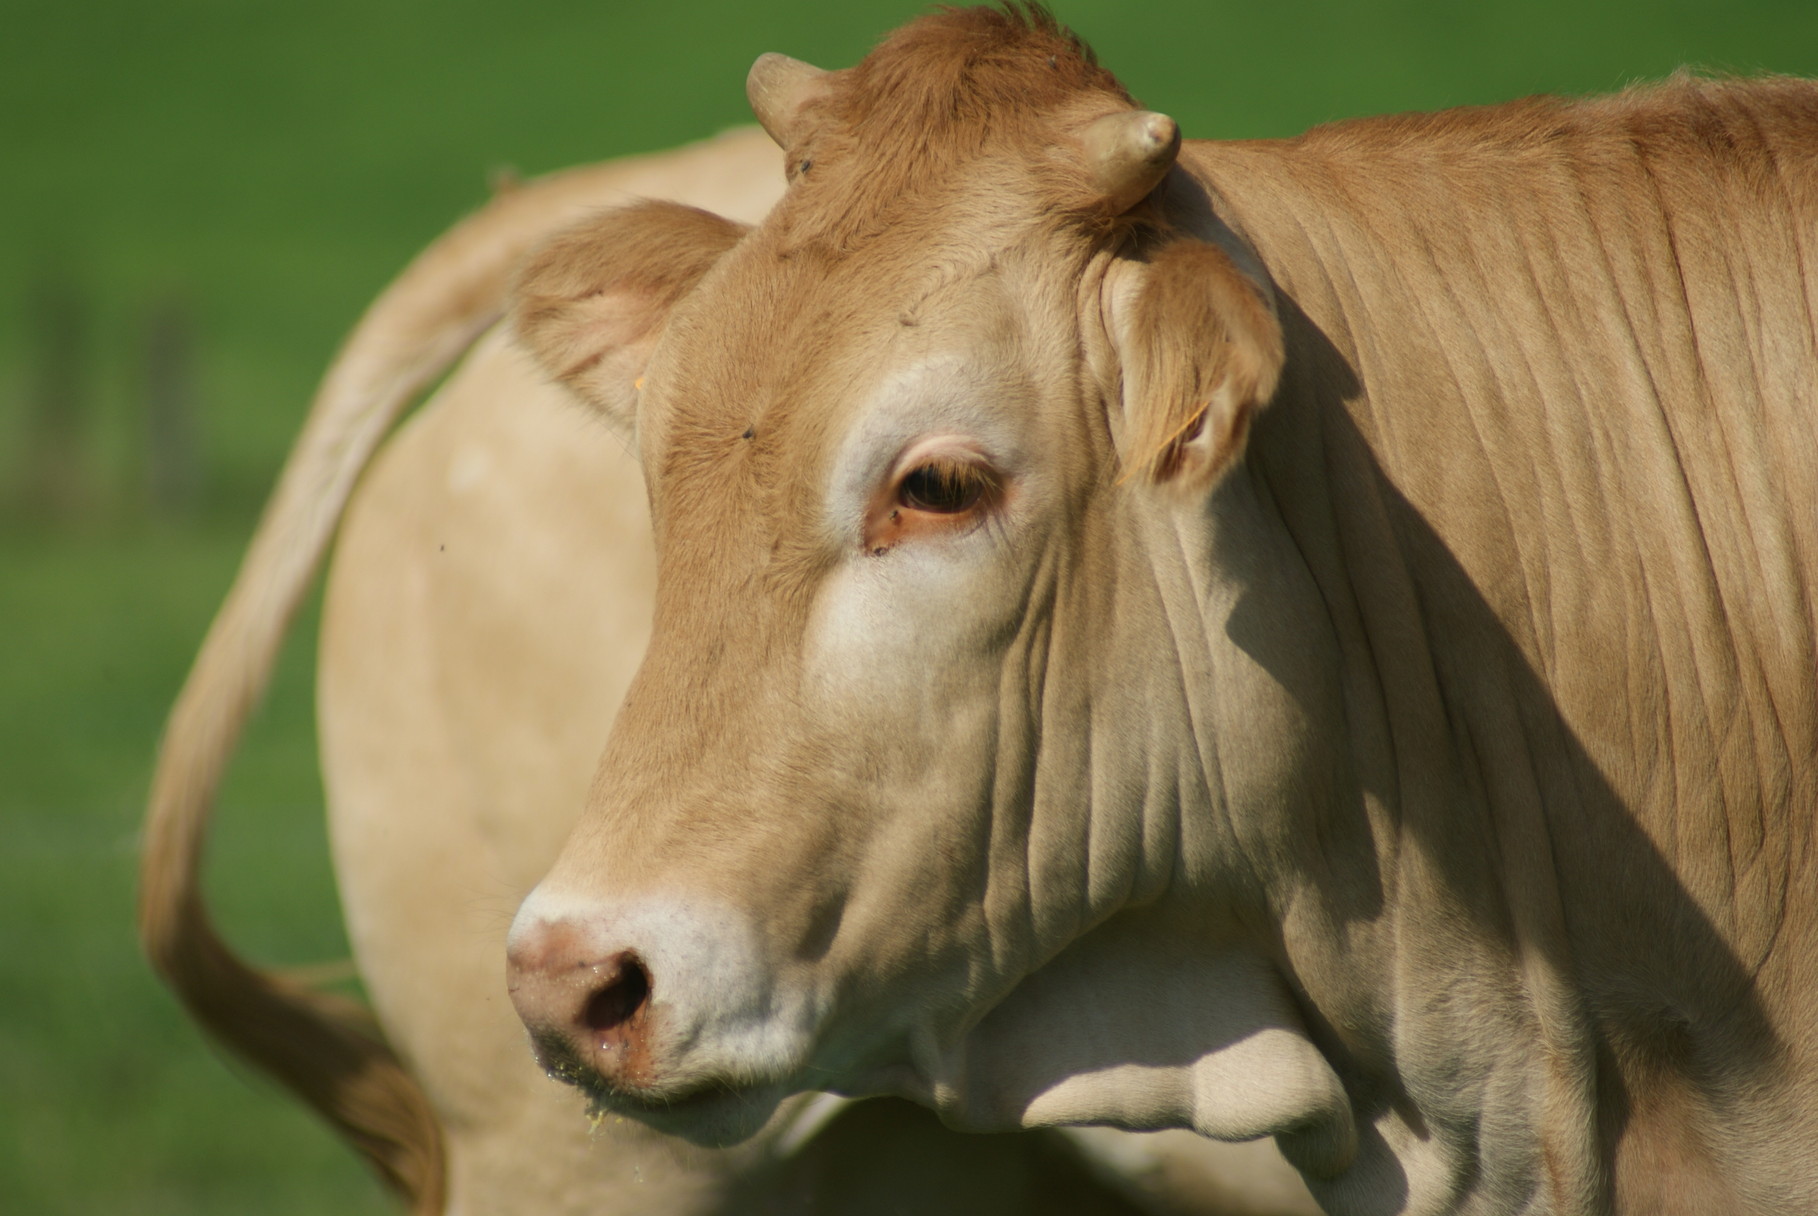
1128	153
777	87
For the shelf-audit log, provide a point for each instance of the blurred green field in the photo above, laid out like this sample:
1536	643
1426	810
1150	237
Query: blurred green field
260	171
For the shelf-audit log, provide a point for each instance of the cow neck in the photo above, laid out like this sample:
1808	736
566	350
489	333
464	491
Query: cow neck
1516	836
1372	946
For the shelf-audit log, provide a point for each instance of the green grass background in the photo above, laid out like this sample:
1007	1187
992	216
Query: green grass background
269	166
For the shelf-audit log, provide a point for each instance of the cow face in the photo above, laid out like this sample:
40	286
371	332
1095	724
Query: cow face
905	765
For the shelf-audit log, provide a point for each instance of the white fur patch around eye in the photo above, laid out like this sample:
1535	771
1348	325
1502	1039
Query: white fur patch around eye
882	622
947	394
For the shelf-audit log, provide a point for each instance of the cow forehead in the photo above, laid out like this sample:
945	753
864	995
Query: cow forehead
783	358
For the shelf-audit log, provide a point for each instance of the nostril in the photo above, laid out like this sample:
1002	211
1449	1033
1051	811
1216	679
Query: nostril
620	999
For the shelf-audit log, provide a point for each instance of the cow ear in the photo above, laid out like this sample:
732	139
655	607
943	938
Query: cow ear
591	305
1200	351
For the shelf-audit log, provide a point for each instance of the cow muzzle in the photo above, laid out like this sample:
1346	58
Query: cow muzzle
588	1015
661	1010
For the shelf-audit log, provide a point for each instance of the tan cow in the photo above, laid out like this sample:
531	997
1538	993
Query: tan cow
488	603
1420	770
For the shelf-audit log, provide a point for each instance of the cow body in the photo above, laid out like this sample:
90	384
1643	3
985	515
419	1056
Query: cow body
473	652
1316	644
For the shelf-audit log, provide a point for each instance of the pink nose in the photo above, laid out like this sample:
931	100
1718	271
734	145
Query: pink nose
587	1008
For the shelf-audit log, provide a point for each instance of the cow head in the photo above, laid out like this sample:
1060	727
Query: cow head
941	776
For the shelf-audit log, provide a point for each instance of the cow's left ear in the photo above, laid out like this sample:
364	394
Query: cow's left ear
592	304
1200	351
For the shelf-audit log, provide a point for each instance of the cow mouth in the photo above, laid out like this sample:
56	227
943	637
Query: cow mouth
709	1112
715	1115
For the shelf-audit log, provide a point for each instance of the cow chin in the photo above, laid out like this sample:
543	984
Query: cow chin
711	1115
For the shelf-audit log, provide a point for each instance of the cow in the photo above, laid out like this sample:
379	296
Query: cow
487	602
1308	639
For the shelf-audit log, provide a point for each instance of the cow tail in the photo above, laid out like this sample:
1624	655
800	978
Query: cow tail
324	1047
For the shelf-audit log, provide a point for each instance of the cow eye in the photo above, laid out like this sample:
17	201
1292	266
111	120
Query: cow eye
945	487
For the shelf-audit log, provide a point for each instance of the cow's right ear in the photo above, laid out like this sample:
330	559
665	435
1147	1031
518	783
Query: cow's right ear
592	304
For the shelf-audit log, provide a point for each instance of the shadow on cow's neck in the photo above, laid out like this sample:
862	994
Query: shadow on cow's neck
1484	934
